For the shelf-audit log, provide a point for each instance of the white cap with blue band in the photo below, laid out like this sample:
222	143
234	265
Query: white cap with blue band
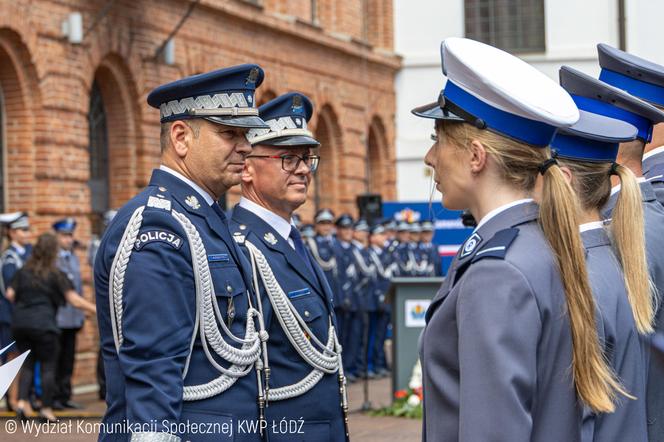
492	89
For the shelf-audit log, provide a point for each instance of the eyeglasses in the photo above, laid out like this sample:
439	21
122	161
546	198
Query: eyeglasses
290	162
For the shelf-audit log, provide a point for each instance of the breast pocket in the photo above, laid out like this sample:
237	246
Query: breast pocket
231	295
311	309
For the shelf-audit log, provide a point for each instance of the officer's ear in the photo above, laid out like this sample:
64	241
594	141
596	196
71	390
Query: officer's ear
181	135
248	172
569	176
478	156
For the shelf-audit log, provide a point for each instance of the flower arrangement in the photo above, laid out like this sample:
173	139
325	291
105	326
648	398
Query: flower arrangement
407	402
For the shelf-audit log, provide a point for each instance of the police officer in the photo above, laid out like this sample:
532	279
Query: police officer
645	80
173	359
306	382
403	255
308	232
92	254
599	97
588	152
381	316
390	235
17	227
515	290
96	241
365	291
322	248
428	248
348	317
69	318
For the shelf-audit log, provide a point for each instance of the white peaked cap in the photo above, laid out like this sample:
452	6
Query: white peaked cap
506	82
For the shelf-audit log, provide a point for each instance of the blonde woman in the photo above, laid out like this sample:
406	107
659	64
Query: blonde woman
587	153
510	350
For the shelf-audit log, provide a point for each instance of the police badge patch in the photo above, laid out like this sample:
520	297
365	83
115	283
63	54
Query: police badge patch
157	236
192	202
470	245
269	237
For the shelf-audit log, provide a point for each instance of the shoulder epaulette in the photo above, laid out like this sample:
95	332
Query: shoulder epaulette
498	245
159	198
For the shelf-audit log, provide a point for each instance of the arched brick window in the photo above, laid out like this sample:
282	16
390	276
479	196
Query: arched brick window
98	147
324	191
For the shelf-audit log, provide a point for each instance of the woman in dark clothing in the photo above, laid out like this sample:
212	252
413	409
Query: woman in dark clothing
37	290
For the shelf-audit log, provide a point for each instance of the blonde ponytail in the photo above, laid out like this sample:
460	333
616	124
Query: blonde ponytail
518	164
593	188
595	381
627	229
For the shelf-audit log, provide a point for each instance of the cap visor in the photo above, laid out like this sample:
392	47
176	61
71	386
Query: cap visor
434	111
250	122
294	141
600	128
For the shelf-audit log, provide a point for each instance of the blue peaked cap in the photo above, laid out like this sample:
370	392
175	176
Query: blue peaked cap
225	96
593	138
65	225
638	76
287	117
598	97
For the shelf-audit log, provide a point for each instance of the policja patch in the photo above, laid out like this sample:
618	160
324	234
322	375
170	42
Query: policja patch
157	236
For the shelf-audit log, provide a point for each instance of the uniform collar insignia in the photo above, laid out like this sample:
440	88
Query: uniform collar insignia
192	202
269	237
470	245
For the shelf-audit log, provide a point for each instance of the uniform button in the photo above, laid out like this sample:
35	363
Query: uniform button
307	314
231	314
229	288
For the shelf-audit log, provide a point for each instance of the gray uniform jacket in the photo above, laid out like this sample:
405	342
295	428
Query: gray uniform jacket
621	345
496	351
69	316
653	213
653	169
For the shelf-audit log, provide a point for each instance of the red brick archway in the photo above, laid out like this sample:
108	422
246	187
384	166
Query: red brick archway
20	102
377	157
119	98
324	191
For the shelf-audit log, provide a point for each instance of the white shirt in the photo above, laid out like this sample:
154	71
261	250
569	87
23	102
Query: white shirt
19	248
279	224
208	198
616	189
655	151
591	226
500	209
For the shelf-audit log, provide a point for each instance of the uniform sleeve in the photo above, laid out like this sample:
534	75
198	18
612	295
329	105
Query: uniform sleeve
15	283
158	302
9	269
499	327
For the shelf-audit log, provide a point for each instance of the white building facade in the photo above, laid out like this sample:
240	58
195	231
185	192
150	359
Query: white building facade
545	33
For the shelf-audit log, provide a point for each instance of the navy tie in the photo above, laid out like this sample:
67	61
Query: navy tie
217	208
299	247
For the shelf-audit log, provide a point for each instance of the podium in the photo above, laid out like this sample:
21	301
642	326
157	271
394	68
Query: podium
409	298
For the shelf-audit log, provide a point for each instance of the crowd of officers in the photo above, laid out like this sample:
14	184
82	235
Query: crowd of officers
21	315
359	260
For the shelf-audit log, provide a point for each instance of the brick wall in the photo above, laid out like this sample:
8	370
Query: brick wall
341	59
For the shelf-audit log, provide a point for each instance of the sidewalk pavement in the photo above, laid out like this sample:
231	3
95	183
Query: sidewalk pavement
76	424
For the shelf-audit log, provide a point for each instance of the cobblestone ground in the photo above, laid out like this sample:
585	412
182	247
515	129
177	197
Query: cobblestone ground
364	428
